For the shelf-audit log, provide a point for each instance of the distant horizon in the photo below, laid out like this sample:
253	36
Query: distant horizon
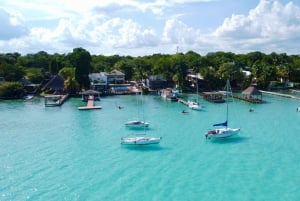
150	54
141	28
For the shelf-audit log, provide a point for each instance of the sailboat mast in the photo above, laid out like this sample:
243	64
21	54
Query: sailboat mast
227	91
197	89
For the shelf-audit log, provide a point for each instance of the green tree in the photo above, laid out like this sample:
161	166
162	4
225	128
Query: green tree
11	72
81	60
11	90
179	68
34	75
70	82
126	66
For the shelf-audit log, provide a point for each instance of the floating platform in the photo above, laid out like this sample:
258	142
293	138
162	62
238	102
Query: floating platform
214	97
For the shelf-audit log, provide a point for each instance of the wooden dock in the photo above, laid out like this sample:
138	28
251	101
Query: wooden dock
55	100
90	104
183	101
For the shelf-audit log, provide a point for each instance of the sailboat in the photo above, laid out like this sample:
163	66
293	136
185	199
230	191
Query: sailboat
137	123
140	138
194	103
224	130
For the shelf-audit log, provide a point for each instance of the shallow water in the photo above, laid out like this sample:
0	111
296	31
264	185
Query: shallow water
61	153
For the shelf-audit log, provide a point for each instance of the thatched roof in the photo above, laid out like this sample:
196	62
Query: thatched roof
57	82
251	90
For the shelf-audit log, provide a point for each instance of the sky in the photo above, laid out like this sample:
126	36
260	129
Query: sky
147	27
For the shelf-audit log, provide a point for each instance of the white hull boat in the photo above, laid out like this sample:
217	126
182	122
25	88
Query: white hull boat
140	140
224	131
136	124
194	105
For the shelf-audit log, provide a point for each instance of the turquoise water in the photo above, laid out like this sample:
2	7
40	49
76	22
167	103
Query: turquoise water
61	153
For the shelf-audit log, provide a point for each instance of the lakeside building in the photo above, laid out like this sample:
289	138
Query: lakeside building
115	77
155	82
99	82
55	85
194	80
109	83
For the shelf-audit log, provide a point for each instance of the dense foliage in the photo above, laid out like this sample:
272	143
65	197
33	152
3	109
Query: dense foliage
11	90
215	67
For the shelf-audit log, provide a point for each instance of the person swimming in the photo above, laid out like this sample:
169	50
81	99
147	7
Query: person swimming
184	112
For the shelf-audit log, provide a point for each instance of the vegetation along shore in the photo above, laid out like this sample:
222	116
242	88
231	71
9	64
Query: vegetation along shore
23	74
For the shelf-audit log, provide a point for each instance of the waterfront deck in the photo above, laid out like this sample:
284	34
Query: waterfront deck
249	99
180	100
55	100
90	104
214	97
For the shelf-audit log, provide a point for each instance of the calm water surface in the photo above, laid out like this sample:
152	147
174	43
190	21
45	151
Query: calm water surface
61	153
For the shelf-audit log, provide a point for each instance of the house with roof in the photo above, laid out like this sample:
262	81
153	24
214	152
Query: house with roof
115	77
252	94
103	80
98	81
55	85
155	82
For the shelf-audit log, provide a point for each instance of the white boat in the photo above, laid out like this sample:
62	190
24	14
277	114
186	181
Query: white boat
140	139
169	94
224	131
194	103
136	124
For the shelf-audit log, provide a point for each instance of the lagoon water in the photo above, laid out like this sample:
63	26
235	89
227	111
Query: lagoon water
61	153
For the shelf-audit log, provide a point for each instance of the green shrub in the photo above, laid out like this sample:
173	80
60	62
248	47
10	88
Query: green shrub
11	90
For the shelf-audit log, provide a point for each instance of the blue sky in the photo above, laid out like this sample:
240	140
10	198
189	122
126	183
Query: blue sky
145	27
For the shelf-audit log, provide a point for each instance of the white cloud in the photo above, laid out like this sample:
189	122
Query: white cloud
175	31
270	20
11	25
140	27
269	27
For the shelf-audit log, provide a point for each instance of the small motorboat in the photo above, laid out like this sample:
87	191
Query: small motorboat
140	139
194	105
136	124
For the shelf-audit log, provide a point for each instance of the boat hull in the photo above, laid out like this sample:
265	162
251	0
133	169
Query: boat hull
140	140
222	133
194	105
136	124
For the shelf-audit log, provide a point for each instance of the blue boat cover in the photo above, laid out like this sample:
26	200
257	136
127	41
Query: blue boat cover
221	124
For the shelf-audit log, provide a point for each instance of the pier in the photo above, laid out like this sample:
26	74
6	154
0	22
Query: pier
55	100
282	95
180	100
90	104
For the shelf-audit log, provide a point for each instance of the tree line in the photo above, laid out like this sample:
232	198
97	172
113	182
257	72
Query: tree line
215	67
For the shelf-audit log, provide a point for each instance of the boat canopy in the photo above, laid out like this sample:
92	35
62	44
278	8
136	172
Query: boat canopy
221	124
